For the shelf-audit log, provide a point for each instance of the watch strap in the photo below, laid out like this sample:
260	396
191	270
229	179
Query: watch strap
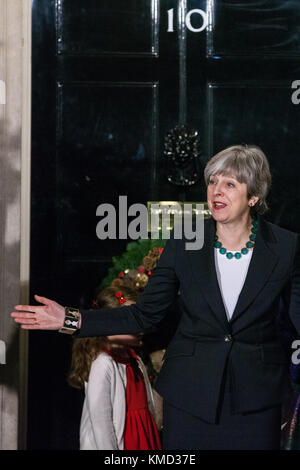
71	321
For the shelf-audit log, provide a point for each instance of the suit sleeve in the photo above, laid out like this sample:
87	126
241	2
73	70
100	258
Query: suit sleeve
291	294
98	398
151	307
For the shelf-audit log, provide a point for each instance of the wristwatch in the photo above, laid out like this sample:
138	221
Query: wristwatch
72	316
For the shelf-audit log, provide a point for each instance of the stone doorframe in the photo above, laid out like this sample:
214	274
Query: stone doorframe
15	131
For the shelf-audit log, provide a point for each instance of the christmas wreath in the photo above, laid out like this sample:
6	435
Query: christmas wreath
135	265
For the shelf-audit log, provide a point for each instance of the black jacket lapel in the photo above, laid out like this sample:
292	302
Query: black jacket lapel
204	271
262	264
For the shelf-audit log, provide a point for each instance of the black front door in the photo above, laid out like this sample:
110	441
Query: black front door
109	82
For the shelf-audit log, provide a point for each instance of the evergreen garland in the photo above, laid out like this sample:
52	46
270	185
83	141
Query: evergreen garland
131	258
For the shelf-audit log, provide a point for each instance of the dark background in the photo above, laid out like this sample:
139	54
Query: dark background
109	81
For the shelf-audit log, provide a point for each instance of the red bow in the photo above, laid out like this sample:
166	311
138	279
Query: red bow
119	295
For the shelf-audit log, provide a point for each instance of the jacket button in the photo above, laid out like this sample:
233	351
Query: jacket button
227	338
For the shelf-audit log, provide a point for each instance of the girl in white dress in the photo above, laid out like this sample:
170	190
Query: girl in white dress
118	409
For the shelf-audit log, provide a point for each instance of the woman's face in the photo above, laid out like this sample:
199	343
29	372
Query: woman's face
227	198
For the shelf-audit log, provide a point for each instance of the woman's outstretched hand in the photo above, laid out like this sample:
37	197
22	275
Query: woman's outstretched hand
49	316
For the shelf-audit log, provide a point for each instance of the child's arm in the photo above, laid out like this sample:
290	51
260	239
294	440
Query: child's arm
106	432
154	401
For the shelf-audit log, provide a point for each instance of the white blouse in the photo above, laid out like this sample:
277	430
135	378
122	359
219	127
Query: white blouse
231	274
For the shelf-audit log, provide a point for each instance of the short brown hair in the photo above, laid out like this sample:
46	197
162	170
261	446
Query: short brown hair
106	298
249	165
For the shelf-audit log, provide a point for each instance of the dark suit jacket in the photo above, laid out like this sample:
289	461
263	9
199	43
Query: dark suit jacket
205	341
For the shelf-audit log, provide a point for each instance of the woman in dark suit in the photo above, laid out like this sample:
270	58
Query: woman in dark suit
225	374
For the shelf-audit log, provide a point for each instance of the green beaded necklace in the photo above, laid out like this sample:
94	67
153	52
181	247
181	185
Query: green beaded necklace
244	250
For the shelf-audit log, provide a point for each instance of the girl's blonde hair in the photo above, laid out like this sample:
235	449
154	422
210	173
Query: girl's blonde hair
86	350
